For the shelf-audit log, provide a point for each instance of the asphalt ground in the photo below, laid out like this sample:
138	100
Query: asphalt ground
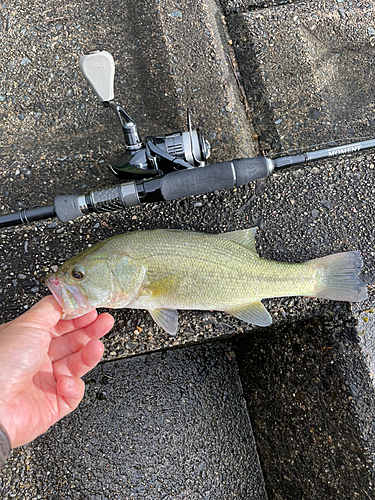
311	403
168	59
305	69
56	139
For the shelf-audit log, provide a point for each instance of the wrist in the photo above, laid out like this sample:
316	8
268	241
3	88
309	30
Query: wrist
4	446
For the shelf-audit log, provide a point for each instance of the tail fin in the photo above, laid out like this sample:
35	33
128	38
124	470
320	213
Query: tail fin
339	277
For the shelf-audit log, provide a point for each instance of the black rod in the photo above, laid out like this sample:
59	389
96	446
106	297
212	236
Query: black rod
321	154
27	215
173	185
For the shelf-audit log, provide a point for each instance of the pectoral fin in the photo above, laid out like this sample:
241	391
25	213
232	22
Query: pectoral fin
160	287
166	319
254	313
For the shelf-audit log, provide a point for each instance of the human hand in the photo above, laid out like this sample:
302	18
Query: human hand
42	360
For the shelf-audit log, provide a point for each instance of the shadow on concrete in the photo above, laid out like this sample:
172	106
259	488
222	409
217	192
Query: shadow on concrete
311	403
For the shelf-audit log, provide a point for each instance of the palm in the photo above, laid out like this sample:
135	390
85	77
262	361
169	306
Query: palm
42	361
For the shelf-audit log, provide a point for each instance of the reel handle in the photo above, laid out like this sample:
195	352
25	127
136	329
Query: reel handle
98	68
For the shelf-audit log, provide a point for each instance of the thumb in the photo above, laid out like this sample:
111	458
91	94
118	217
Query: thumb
45	314
24	343
31	330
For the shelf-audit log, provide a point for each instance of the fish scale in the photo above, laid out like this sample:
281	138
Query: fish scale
165	270
216	262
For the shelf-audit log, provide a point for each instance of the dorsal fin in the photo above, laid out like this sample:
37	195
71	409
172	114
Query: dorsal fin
244	237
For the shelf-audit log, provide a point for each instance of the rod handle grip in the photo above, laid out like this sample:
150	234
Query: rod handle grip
225	175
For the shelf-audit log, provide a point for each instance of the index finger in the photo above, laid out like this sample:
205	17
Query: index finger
74	341
68	325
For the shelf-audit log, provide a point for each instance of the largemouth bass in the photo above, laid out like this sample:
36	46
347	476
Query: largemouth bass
164	270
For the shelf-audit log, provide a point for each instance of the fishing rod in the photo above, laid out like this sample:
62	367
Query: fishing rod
161	168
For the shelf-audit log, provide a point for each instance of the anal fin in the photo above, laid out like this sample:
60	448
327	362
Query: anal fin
254	313
166	319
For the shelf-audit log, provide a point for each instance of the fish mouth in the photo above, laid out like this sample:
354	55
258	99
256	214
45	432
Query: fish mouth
54	286
70	298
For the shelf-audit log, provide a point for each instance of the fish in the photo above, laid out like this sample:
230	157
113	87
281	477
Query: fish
164	270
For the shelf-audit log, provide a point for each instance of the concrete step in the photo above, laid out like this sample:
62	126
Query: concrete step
167	425
310	384
311	404
168	58
305	68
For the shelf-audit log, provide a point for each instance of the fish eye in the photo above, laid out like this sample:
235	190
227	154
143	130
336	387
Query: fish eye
78	273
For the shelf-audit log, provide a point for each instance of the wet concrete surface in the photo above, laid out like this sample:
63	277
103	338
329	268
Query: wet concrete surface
311	404
167	425
305	67
167	58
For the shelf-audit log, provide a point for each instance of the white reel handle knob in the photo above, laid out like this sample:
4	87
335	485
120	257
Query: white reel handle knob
99	70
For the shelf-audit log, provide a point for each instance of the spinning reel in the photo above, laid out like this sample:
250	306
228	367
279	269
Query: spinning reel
156	156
